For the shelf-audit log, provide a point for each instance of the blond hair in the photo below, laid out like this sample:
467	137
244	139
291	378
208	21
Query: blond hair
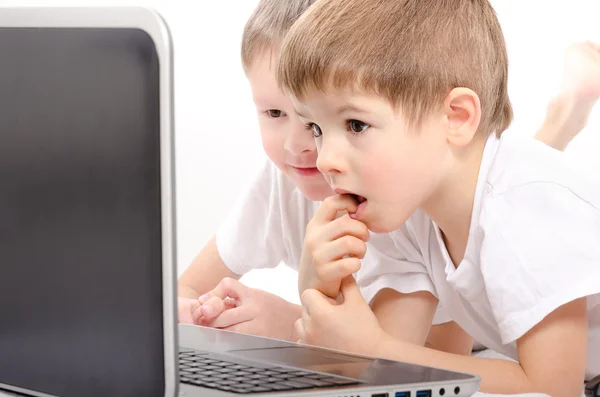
412	52
268	25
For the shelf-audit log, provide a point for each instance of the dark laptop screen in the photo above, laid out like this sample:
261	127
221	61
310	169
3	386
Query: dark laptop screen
80	215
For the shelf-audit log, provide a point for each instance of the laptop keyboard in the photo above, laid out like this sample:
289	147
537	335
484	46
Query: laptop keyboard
196	368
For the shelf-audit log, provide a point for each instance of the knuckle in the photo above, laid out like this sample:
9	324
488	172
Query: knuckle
348	243
361	249
318	258
353	265
227	282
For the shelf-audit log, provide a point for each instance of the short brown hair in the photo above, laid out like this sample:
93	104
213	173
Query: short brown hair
268	25
413	52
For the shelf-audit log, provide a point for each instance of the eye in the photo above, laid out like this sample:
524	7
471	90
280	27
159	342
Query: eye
357	127
275	113
315	128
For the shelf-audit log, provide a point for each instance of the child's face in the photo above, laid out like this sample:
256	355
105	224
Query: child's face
286	140
366	149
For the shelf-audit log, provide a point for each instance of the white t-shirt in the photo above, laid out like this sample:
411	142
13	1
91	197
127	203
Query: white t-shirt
534	245
267	226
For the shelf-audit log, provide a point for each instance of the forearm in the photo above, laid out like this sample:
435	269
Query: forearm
450	338
565	118
204	273
498	376
186	291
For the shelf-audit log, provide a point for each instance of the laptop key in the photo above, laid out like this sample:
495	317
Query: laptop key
284	376
243	386
226	370
295	384
242	373
268	373
257	376
271	380
239	367
278	387
339	381
220	376
314	382
238	390
227	382
259	389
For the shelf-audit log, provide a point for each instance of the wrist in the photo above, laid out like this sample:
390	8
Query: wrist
185	291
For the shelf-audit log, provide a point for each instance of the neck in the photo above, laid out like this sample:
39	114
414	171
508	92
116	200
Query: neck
451	205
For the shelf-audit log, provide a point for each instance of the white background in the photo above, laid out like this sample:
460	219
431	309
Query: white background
217	140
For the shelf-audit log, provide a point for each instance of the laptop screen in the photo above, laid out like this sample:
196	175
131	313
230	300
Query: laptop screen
80	212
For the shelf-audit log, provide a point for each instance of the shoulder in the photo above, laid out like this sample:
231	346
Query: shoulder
539	230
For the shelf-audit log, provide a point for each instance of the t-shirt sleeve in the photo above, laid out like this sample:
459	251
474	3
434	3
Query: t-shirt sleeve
386	266
540	251
251	236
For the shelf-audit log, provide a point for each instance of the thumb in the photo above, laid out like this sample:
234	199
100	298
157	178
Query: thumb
350	290
229	288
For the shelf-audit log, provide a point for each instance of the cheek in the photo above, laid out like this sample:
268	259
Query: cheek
398	172
273	142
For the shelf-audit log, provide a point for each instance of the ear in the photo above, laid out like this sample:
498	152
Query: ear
463	112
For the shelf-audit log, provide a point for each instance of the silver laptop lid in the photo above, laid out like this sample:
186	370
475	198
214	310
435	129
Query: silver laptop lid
87	301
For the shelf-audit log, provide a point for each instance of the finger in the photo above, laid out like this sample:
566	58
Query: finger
231	317
351	291
339	269
313	300
345	226
231	303
197	317
185	309
332	205
213	308
229	287
342	247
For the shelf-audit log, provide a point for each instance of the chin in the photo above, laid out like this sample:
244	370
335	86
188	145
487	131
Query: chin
315	193
384	224
378	227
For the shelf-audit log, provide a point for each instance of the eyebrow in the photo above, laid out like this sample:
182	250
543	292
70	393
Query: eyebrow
340	110
350	108
300	114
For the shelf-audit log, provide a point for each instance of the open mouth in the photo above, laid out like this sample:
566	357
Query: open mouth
357	198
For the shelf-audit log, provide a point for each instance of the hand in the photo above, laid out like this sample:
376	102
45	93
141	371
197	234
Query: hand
581	78
349	326
236	307
333	246
185	310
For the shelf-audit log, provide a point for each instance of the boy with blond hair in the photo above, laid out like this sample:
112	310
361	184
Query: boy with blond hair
408	101
268	223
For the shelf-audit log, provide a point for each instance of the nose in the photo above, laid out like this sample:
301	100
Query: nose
299	139
330	158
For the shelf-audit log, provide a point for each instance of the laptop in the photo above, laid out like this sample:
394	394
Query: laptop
87	232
